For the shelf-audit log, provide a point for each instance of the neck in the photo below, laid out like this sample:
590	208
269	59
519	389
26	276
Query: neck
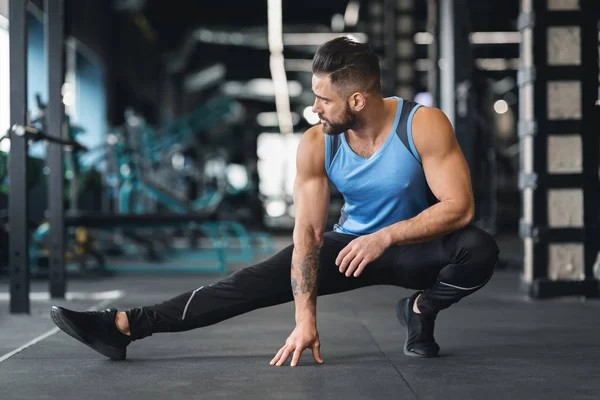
373	120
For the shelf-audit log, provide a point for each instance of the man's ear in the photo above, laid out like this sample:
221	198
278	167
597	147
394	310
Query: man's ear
357	101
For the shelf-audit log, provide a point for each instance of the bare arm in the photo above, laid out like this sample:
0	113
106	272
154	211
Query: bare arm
448	176
311	195
311	198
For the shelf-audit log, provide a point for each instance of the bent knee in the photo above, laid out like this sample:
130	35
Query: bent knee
477	247
473	258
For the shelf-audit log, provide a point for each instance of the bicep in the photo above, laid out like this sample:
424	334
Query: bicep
311	189
444	164
311	198
448	175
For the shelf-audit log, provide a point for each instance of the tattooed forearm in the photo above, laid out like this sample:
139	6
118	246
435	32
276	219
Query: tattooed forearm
294	286
308	267
304	274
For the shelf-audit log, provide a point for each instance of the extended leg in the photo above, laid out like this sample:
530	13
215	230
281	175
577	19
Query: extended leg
262	285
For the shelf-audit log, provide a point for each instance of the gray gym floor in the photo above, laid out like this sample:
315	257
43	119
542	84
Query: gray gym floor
495	345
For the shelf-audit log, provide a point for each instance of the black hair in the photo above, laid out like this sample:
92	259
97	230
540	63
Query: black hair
351	65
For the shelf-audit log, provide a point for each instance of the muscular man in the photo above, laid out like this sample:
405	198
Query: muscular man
405	222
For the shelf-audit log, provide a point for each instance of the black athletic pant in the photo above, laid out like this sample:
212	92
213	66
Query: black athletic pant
446	270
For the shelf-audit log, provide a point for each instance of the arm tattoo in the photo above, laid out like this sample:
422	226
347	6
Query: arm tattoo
294	286
309	271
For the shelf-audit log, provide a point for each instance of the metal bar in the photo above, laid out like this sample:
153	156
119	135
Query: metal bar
17	197
462	88
545	288
404	66
540	112
547	181
564	127
563	17
565	73
447	79
548	234
36	134
54	53
110	221
390	43
590	119
433	71
375	20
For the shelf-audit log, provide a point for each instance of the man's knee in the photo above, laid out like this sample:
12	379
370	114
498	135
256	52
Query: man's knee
475	257
481	246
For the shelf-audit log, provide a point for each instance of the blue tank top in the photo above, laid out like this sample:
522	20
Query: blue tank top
383	189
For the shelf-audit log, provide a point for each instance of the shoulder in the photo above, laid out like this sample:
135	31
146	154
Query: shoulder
311	150
430	117
314	136
313	139
432	131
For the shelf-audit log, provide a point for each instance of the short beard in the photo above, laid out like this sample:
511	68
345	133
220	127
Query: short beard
349	120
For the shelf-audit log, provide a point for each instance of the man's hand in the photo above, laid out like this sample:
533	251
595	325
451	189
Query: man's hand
304	336
361	251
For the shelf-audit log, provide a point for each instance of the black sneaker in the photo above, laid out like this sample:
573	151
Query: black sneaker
419	330
95	329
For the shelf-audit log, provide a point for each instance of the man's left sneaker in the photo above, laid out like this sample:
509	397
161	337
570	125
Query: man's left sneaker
419	330
95	329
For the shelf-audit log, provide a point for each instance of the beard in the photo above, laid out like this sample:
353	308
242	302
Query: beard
348	120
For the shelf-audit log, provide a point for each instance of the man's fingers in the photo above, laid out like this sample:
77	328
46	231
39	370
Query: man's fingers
284	353
316	351
353	265
347	260
284	356
279	353
361	267
296	356
341	255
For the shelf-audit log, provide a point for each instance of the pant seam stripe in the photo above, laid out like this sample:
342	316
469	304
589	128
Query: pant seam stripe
189	301
458	287
478	286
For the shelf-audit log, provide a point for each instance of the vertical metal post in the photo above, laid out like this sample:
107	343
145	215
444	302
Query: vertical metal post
590	117
390	42
404	64
456	70
375	31
433	71
447	79
462	90
17	197
55	122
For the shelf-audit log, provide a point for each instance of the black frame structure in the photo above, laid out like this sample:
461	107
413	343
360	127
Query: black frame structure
20	134
17	197
55	122
536	74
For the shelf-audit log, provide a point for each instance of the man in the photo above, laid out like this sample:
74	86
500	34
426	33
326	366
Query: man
389	158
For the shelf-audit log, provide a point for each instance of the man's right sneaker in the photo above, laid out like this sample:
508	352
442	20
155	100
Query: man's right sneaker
420	341
95	329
